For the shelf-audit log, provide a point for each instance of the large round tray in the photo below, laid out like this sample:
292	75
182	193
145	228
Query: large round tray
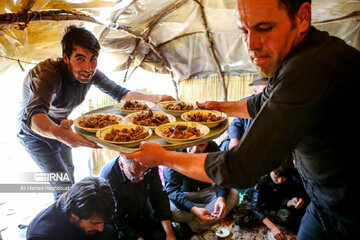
214	133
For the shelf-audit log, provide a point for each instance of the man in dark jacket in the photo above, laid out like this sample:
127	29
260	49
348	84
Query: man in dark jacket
142	205
310	72
199	204
278	198
81	213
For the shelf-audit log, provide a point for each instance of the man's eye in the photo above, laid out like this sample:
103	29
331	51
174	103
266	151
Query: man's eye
265	28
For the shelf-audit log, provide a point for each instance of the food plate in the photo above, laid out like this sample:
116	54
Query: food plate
123	104
222	232
162	130
93	122
143	118
175	113
130	128
204	117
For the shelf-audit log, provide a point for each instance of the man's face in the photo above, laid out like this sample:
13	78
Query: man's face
134	172
277	179
82	64
267	31
88	226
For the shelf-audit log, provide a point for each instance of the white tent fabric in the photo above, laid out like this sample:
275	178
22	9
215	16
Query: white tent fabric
187	38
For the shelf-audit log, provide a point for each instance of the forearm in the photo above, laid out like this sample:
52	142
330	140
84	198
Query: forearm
191	165
231	108
237	109
41	124
166	224
269	223
152	154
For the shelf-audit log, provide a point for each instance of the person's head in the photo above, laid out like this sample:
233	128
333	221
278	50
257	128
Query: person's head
280	174
89	204
197	148
80	52
133	170
258	84
271	29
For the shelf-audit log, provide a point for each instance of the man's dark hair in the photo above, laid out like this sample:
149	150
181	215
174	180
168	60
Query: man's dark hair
292	6
81	37
286	167
90	197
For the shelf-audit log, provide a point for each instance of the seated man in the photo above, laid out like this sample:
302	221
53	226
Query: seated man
142	205
80	213
196	203
278	198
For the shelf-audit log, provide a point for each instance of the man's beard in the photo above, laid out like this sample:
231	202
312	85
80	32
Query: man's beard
71	70
82	230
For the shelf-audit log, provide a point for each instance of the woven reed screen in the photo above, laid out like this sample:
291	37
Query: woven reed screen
208	89
191	90
211	88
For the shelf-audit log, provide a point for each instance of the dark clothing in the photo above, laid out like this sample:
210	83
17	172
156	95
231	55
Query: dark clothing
50	88
136	203
267	195
295	113
53	223
311	228
177	184
236	129
51	158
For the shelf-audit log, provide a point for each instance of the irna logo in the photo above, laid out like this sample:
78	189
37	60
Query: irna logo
52	177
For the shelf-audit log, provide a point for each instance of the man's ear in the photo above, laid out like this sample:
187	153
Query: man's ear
304	17
74	218
66	59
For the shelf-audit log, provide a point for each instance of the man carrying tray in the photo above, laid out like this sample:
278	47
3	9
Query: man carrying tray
52	89
310	72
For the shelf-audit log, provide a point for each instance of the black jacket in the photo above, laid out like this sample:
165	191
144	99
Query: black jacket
136	201
267	195
53	224
299	113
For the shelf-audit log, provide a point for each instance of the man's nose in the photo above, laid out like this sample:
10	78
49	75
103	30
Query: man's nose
87	66
253	41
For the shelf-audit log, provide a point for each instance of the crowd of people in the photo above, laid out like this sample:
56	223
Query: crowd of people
283	146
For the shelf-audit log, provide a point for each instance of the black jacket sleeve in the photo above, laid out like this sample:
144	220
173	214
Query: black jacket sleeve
173	182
